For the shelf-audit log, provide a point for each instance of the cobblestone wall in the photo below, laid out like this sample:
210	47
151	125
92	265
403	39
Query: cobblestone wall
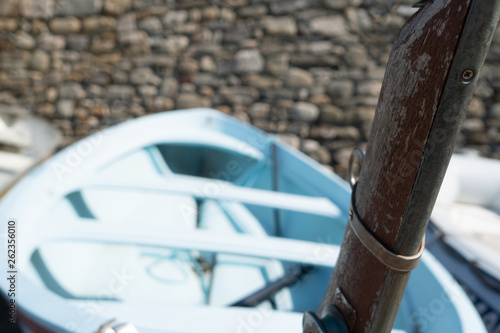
310	70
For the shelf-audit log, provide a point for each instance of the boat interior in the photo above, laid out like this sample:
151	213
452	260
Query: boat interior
197	224
203	202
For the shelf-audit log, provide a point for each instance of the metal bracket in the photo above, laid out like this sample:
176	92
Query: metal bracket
390	259
331	322
346	309
339	317
357	155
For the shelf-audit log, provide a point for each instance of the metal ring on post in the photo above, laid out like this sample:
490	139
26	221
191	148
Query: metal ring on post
359	154
390	259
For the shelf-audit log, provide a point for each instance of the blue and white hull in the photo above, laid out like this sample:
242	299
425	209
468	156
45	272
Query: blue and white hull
165	221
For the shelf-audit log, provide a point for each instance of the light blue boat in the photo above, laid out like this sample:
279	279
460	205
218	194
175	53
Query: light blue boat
163	222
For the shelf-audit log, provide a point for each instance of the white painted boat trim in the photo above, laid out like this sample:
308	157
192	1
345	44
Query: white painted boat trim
264	247
221	190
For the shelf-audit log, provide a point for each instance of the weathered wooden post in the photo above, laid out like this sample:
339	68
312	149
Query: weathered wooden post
429	81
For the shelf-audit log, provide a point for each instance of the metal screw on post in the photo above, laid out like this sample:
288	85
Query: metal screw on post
467	75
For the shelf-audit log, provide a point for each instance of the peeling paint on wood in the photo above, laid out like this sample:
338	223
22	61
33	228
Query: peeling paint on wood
413	85
414	82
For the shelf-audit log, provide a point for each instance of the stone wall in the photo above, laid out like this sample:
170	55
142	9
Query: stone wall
309	70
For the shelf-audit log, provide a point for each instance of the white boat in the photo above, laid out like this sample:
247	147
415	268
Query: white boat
168	222
24	142
465	230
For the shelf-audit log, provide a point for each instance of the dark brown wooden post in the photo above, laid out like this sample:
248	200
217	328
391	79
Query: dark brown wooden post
428	84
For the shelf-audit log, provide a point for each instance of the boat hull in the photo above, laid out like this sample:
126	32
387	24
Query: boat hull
156	208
